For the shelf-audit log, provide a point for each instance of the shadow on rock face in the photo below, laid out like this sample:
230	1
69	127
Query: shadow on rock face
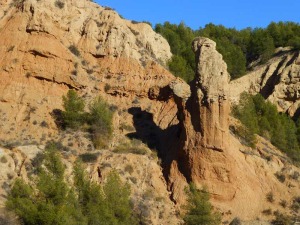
146	130
58	119
160	140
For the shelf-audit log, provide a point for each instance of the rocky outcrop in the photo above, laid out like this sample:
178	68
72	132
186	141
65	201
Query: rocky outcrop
237	177
47	48
204	120
277	80
211	88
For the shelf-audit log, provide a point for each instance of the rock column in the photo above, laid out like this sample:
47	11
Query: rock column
201	156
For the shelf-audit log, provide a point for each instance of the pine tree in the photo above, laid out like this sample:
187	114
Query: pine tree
199	209
74	109
52	201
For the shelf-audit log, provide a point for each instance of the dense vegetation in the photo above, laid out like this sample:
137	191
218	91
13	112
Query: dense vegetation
98	120
238	47
199	209
261	117
48	199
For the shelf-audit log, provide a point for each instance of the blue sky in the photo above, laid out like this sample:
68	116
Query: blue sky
196	13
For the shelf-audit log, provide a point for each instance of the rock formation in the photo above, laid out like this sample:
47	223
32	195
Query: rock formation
211	88
47	48
277	81
205	117
208	155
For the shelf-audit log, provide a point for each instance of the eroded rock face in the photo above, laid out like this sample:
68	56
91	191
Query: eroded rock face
211	88
46	49
237	177
123	62
277	80
205	120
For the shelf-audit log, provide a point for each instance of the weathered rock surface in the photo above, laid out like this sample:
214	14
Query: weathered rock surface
45	50
237	177
277	81
211	88
205	119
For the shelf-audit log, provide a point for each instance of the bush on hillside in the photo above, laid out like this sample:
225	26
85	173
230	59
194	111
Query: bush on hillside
48	199
108	204
101	122
261	117
281	219
59	4
199	209
74	50
74	110
98	120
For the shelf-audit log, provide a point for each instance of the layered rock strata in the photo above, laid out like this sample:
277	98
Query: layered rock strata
47	48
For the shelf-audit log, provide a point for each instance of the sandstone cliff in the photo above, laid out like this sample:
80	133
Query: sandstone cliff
47	48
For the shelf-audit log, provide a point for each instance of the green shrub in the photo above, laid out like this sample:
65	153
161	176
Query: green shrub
74	50
199	209
180	68
98	121
101	123
246	136
109	204
3	159
261	45
261	117
74	110
117	194
89	157
281	219
51	201
270	197
180	38
59	4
